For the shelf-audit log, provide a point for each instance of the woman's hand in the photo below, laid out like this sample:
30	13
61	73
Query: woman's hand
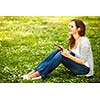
60	48
65	53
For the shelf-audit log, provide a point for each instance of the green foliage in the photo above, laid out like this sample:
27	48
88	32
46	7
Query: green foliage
26	40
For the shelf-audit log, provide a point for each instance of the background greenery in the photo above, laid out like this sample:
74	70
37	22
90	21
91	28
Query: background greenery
26	40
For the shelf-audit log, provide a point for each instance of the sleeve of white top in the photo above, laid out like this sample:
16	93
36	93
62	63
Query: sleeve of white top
84	50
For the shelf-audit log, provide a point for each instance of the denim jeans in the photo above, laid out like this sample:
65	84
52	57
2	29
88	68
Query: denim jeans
56	58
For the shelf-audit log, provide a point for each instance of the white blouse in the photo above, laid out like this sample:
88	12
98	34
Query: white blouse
84	52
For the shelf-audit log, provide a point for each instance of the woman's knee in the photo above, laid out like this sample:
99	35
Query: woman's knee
59	53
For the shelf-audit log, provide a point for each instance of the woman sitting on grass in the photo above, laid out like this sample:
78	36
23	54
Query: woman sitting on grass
78	59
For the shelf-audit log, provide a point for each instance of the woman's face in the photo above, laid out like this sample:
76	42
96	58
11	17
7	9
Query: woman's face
72	28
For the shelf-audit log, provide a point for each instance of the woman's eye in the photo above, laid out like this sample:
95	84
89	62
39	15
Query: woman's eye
71	26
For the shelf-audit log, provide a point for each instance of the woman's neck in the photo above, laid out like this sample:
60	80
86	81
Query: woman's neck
76	36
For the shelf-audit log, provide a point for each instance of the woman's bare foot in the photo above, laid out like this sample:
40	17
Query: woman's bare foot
33	75
33	71
27	76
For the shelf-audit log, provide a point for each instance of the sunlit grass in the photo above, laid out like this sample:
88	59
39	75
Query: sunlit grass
26	40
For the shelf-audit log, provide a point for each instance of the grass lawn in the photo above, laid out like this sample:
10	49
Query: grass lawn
26	40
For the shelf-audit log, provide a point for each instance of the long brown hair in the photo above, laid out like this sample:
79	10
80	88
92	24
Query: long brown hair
81	25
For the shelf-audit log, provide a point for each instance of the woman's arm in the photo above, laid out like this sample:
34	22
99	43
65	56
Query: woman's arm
68	55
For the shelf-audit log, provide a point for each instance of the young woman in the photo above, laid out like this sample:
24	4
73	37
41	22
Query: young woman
78	59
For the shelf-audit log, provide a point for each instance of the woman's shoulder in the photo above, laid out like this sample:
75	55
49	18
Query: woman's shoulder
84	39
85	42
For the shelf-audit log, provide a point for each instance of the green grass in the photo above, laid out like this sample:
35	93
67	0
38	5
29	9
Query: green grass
26	40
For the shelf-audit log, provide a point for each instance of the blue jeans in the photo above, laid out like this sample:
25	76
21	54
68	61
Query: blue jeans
56	58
